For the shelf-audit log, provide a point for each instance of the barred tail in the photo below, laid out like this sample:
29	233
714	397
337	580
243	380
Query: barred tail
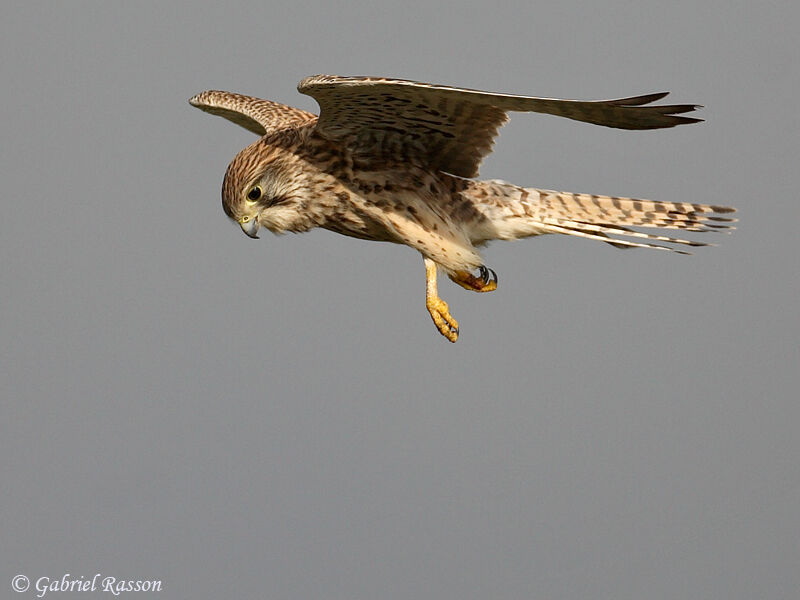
530	211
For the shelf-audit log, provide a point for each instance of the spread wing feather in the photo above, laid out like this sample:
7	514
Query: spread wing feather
256	115
452	129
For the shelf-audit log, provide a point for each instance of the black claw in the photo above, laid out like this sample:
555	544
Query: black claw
484	271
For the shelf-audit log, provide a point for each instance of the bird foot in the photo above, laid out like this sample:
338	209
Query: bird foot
486	281
444	321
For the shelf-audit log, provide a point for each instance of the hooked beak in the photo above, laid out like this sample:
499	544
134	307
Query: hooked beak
250	227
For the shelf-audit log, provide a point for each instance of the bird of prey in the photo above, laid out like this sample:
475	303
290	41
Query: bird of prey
395	161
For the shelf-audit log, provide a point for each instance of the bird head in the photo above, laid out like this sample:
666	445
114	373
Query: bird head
261	190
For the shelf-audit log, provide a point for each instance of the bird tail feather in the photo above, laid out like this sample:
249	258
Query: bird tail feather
524	212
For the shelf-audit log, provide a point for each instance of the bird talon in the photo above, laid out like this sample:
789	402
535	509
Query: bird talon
486	281
444	321
484	273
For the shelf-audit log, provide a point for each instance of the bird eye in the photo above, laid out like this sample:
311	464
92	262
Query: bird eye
245	219
254	194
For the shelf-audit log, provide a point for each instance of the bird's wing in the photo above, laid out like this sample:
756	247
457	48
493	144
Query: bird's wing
452	129
256	115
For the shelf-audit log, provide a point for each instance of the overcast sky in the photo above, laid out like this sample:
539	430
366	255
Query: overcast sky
279	418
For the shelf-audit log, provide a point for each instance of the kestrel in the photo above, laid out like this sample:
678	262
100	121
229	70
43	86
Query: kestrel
394	161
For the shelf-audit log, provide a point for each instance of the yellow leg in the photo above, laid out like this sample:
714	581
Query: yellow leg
440	313
486	281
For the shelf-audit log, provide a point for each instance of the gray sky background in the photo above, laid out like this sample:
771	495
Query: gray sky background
279	419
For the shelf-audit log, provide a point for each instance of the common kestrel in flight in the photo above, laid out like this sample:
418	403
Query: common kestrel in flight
394	161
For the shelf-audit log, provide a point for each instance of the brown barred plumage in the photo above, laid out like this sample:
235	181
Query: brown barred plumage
391	160
517	212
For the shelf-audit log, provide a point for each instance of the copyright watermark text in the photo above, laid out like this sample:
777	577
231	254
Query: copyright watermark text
72	583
